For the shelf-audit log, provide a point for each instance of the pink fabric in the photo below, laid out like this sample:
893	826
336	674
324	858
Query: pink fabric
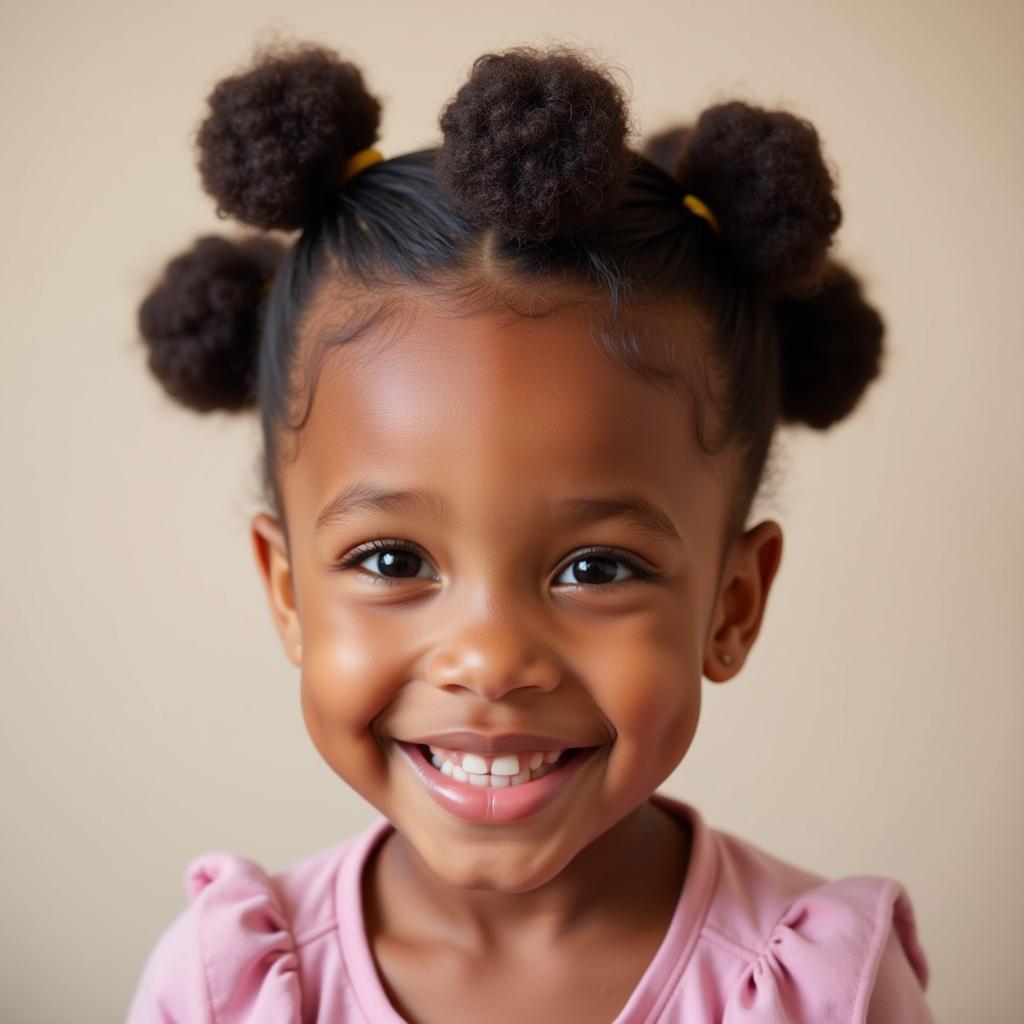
753	940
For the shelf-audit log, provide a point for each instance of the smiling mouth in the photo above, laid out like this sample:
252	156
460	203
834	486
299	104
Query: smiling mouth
499	789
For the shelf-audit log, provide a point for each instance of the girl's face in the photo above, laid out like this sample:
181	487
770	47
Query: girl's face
517	448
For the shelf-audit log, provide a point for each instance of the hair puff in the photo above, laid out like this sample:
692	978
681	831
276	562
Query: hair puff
535	143
277	136
764	176
830	349
201	322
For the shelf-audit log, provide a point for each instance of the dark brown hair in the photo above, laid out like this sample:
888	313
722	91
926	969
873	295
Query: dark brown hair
534	179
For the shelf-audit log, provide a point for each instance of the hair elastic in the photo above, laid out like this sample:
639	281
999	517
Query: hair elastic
702	210
357	162
360	161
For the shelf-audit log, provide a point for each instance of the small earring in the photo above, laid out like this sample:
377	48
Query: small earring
726	658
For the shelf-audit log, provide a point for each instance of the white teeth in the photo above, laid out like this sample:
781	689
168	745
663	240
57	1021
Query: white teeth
505	770
474	764
507	764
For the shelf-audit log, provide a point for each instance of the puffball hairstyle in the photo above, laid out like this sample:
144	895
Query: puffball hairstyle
536	178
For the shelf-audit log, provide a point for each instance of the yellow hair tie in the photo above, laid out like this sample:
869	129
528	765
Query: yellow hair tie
360	161
701	209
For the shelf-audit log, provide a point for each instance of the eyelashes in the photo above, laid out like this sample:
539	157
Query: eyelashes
351	561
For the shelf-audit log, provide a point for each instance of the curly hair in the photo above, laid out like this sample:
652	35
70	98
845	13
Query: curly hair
536	178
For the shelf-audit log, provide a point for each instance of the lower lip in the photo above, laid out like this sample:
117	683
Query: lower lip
487	804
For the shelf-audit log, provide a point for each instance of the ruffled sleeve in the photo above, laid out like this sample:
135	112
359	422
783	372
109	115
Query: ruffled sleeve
228	958
825	955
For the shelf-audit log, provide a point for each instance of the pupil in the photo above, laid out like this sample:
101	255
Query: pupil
594	570
391	559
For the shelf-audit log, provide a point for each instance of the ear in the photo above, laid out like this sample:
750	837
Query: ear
271	551
747	577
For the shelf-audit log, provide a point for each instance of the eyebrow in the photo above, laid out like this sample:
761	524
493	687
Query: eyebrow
362	497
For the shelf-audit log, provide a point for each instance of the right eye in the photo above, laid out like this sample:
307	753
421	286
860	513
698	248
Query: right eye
395	560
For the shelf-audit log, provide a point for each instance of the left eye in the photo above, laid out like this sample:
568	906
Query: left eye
598	569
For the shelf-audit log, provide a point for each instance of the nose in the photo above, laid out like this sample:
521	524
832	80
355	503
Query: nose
492	658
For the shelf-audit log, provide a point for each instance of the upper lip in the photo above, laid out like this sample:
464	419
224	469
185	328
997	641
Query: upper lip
491	743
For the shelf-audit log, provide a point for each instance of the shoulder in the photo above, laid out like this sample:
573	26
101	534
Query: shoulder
234	953
807	949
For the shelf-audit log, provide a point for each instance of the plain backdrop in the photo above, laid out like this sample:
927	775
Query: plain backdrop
149	712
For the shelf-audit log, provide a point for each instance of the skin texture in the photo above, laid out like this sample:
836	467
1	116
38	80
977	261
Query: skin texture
489	628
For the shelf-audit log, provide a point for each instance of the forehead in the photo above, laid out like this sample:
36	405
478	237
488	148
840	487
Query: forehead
495	412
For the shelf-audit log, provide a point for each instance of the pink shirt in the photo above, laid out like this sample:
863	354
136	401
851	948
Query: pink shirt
752	940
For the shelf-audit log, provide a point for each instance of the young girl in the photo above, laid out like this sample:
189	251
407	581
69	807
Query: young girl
517	394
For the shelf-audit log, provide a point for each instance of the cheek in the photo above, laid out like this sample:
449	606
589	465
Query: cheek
350	663
348	679
647	681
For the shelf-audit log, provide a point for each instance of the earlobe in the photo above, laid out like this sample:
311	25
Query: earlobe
272	560
749	572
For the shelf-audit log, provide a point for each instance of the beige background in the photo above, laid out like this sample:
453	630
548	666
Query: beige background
149	713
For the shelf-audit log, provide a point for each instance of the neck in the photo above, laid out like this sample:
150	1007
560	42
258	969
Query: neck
628	878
